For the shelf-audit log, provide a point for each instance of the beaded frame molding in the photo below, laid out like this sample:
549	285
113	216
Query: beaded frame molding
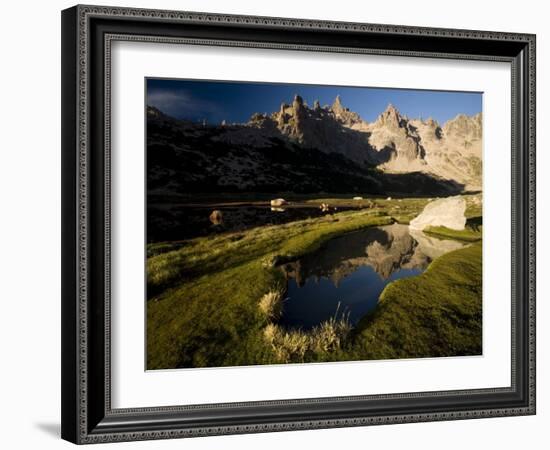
87	35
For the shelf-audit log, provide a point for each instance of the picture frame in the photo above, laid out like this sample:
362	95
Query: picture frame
87	35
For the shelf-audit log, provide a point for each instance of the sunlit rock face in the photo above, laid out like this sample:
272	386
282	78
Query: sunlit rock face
386	249
393	142
444	212
399	144
298	143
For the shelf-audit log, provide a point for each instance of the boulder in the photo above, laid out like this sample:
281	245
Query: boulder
278	202
445	212
216	217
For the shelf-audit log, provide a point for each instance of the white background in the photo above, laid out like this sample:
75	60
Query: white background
30	193
132	387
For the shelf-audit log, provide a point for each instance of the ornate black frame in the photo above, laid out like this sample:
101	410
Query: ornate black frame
87	32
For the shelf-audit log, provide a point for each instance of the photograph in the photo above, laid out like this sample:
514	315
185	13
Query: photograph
305	223
273	222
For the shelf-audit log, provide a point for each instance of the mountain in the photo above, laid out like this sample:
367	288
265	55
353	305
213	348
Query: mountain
314	149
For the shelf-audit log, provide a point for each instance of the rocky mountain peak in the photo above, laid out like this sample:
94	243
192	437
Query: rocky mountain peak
478	119
337	106
290	118
393	143
154	113
390	117
343	114
431	123
464	126
298	102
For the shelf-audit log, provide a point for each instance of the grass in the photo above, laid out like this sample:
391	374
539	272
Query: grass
471	233
437	313
319	343
202	307
271	304
208	299
461	235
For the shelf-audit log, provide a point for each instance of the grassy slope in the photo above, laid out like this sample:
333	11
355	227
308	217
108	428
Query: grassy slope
204	293
471	233
203	308
437	313
467	235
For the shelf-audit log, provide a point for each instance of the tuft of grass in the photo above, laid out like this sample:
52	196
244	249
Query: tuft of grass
271	332
330	336
271	304
288	346
316	344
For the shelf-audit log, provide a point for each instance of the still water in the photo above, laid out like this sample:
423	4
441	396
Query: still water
349	273
177	222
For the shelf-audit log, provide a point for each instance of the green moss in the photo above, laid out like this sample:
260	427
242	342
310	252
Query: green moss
461	235
471	233
437	313
204	294
203	297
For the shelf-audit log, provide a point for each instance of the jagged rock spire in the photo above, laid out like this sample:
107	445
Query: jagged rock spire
337	105
390	116
298	101
431	122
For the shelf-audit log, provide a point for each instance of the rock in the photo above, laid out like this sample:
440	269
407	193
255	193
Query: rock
278	202
476	201
389	198
216	217
298	102
358	198
337	107
343	114
445	212
391	117
451	152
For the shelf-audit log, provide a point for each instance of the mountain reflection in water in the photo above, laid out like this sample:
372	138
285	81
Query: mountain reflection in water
353	270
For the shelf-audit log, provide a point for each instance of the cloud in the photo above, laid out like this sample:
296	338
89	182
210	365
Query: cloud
182	104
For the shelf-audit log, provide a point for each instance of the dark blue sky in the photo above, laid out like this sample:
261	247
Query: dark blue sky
237	101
